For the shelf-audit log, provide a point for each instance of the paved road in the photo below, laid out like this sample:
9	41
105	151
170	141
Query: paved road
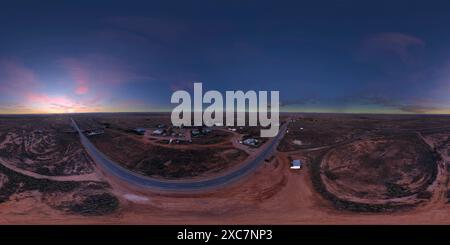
143	181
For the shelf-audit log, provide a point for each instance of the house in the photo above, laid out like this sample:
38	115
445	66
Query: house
296	164
140	131
158	132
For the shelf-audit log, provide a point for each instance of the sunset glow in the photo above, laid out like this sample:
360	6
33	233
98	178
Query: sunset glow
134	61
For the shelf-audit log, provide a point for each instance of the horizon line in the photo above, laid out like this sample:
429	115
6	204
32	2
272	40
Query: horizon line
284	112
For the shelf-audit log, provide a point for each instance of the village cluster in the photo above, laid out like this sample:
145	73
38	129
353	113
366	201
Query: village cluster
183	134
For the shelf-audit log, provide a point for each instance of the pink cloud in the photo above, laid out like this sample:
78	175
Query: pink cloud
82	89
93	79
98	71
78	73
58	104
15	76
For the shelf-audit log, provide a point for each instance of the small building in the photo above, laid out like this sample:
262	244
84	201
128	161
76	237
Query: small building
206	130
195	132
158	132
296	164
94	132
140	131
250	142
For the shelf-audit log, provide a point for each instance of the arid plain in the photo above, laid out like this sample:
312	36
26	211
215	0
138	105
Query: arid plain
356	169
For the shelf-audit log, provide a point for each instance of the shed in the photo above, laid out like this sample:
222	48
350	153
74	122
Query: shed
296	164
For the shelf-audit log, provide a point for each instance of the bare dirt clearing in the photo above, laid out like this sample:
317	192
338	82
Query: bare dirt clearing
44	145
380	171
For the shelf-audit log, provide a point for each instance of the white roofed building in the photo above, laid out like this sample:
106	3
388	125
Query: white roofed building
296	164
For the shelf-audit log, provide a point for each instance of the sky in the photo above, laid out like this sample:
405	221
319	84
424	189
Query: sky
323	56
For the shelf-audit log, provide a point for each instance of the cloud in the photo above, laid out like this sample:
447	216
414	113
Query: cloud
96	70
26	93
419	109
182	85
125	37
391	44
79	74
14	76
82	89
90	83
58	104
